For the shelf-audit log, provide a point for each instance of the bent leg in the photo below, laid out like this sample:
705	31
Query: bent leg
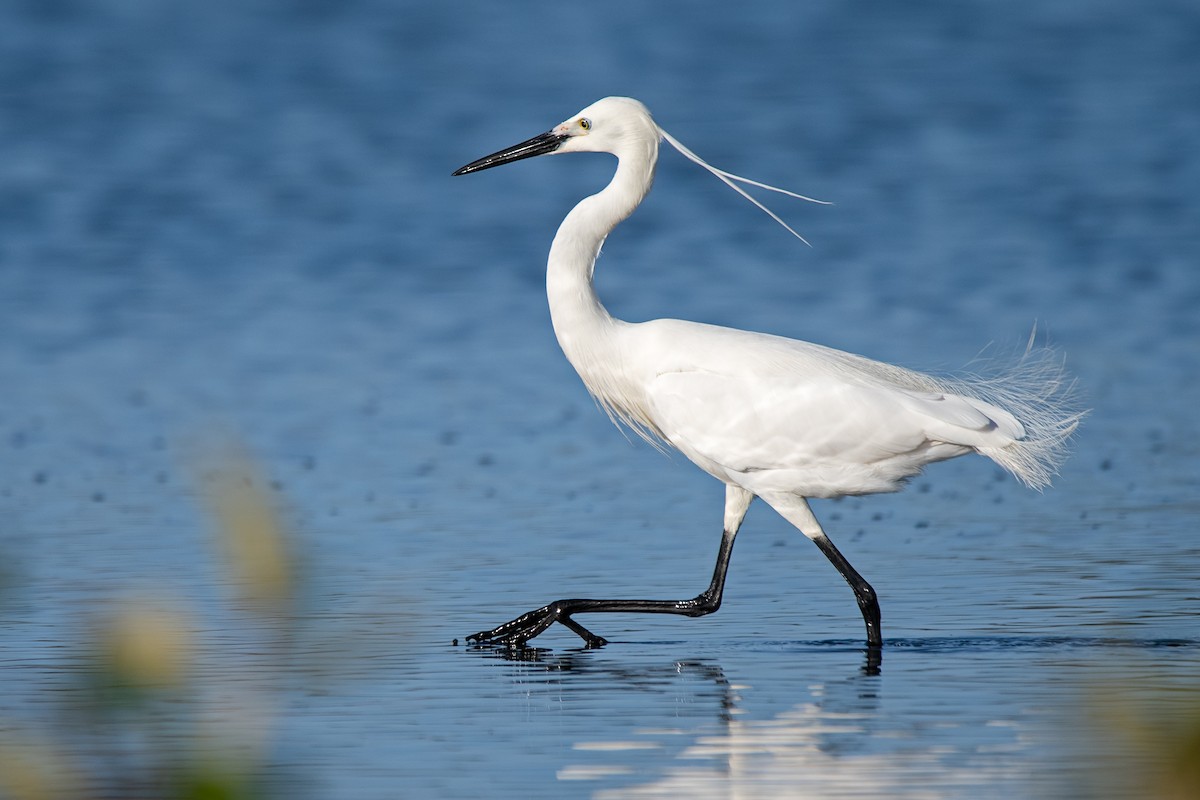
797	511
517	632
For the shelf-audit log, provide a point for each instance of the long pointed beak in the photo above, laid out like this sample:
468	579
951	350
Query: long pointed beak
537	146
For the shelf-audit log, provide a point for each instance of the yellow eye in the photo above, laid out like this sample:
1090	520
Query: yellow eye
585	123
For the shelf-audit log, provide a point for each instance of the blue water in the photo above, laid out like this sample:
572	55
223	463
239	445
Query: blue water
235	221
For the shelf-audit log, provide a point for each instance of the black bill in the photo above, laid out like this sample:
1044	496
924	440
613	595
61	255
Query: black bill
537	146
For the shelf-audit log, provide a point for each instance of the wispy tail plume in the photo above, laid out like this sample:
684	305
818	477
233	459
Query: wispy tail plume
1039	393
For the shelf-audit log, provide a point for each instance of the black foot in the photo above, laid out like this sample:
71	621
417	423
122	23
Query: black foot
515	633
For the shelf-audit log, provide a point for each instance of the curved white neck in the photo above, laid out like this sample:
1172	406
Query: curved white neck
580	320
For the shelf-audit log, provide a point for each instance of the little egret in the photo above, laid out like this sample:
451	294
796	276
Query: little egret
769	417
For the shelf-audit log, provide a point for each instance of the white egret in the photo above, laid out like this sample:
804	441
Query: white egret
769	417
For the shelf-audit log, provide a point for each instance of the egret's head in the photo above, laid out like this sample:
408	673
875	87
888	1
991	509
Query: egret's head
611	125
618	125
622	126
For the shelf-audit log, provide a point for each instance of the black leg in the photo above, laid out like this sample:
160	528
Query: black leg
520	630
868	603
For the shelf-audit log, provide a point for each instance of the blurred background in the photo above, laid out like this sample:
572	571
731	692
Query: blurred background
282	415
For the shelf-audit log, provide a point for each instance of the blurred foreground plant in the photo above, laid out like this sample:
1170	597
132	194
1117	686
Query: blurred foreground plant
1132	732
34	769
142	647
154	719
251	535
1153	735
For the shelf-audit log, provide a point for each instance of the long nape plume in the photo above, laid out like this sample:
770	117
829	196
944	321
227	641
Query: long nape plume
728	179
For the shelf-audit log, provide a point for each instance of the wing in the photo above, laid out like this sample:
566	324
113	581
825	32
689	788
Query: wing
963	420
821	421
751	423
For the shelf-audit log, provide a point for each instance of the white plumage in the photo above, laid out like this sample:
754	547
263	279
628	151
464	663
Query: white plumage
770	417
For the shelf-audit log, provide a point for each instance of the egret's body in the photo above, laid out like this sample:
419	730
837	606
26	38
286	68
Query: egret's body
770	417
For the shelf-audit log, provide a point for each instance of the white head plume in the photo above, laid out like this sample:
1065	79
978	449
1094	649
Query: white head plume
728	179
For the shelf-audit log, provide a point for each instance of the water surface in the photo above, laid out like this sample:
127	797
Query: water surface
224	222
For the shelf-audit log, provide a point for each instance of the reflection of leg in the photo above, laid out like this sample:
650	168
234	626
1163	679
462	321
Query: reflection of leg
520	630
797	511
